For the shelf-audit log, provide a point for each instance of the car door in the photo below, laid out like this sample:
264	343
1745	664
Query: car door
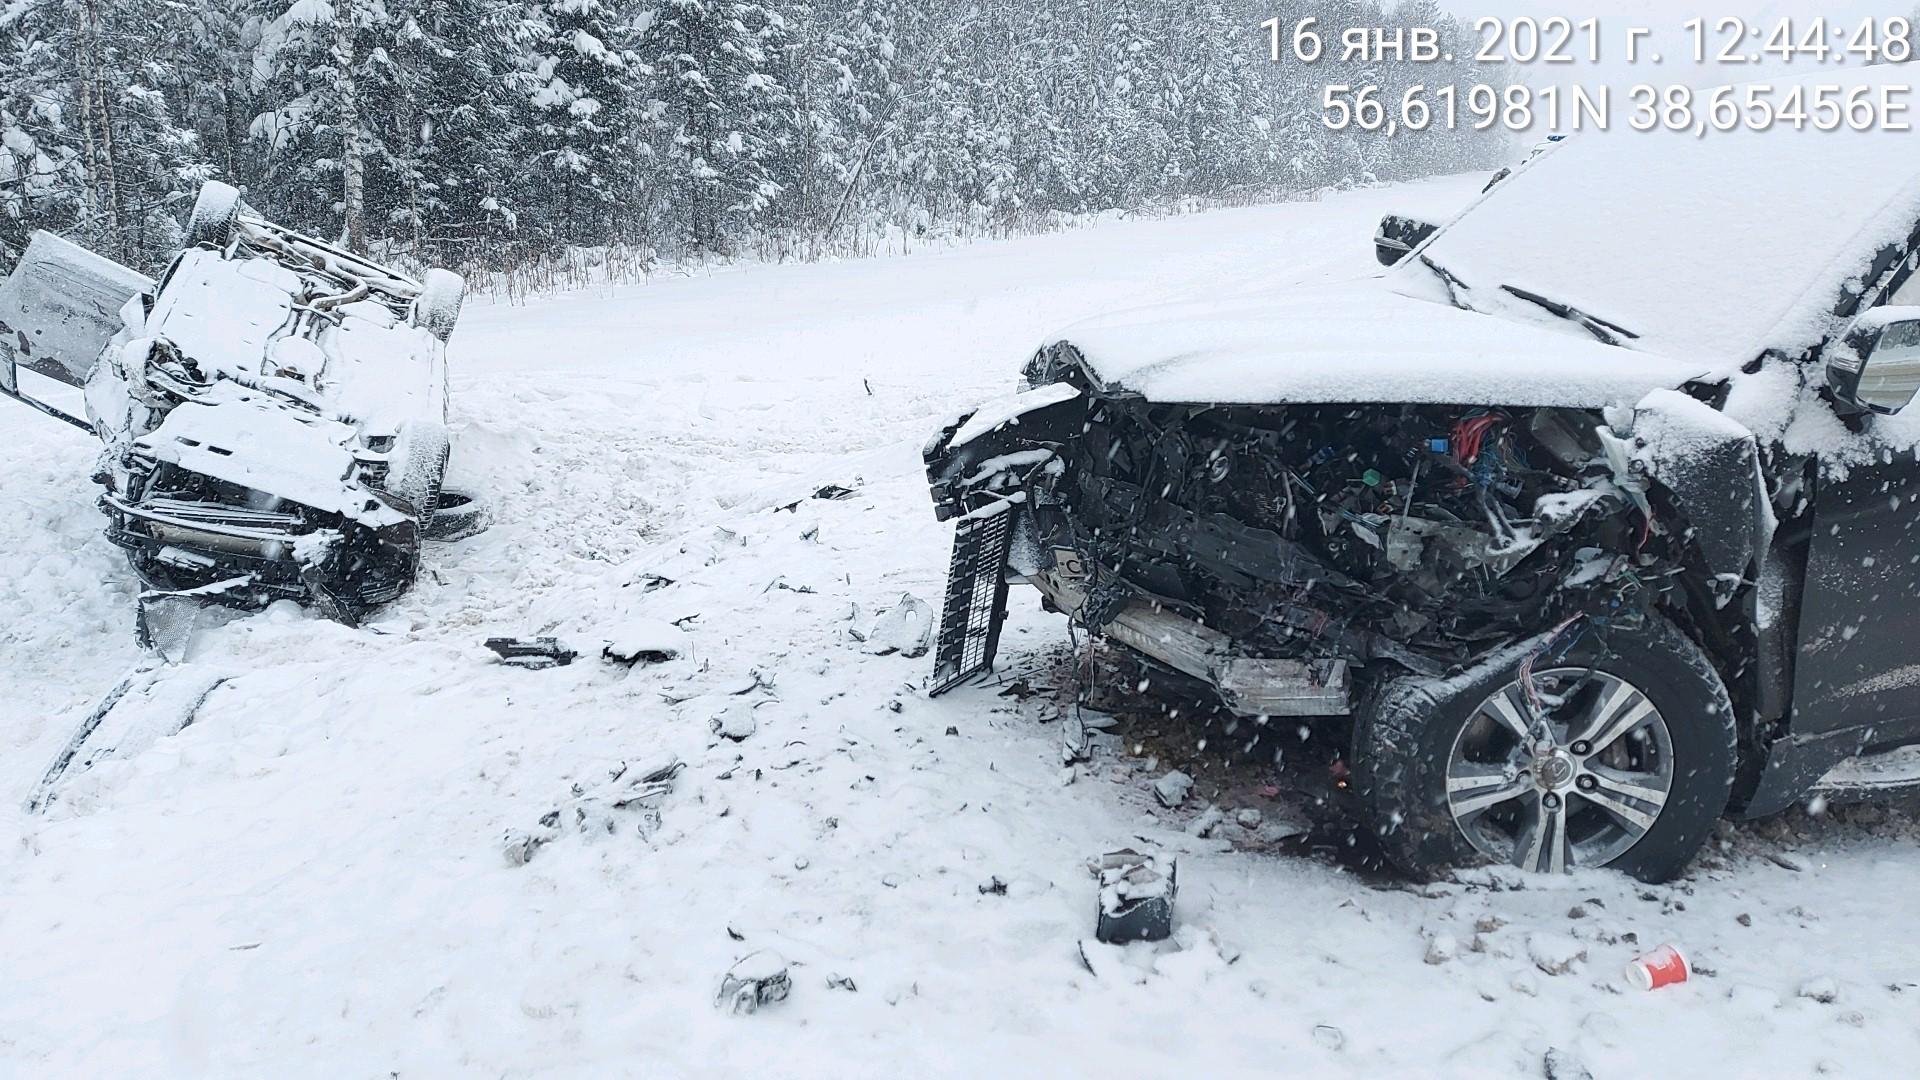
1859	663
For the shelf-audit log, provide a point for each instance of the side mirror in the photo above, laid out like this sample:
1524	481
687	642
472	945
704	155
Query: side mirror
1399	234
1876	367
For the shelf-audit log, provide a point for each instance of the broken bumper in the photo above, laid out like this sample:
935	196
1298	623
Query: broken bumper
246	557
1247	685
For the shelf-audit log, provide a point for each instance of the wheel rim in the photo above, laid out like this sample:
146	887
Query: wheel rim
1569	769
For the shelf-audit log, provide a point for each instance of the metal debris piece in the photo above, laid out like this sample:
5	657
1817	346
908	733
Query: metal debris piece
755	980
533	654
644	641
735	722
1136	897
519	845
636	793
825	493
905	628
1172	788
1210	819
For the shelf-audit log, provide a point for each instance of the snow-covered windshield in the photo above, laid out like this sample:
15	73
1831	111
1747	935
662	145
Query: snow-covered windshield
1710	248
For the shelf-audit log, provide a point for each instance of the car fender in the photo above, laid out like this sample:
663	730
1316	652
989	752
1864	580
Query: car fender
1708	464
988	455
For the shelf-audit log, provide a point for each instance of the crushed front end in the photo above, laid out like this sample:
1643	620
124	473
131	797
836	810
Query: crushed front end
1287	555
202	512
271	433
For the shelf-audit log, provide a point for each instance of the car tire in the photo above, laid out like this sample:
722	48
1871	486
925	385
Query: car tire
438	306
1428	752
457	516
215	216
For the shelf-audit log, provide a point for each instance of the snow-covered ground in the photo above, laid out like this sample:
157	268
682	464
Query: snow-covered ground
312	879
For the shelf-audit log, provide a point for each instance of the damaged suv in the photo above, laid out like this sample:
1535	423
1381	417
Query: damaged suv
274	408
1588	523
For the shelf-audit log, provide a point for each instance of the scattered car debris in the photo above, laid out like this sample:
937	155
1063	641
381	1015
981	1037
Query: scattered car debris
905	628
1210	819
993	887
1076	745
754	981
644	640
1558	1064
534	654
1441	947
627	794
842	982
825	493
735	722
1555	954
1823	990
165	623
1136	897
1172	789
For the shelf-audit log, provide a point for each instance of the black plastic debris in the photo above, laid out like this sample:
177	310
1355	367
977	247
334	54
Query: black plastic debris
532	653
827	493
757	979
644	641
1136	897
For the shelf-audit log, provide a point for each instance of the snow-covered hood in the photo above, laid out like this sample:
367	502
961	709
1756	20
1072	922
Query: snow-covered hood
1360	342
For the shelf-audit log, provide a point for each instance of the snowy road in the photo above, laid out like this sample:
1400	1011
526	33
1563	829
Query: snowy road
310	880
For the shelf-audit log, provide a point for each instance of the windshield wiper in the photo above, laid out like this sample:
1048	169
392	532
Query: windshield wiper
1609	333
1454	285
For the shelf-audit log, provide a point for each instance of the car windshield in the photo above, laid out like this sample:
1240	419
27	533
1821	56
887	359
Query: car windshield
1711	248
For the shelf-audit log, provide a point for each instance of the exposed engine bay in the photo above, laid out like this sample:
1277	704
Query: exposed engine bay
1415	536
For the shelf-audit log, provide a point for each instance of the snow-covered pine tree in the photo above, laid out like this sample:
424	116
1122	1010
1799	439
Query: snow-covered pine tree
586	141
89	136
324	68
496	132
41	172
722	103
453	130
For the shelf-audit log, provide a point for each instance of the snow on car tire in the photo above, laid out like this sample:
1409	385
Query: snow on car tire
216	213
457	516
1616	753
438	307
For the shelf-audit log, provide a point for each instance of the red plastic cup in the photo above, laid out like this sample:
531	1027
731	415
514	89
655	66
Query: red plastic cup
1663	966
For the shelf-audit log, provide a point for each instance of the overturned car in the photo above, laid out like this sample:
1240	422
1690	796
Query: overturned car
273	407
1582	544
